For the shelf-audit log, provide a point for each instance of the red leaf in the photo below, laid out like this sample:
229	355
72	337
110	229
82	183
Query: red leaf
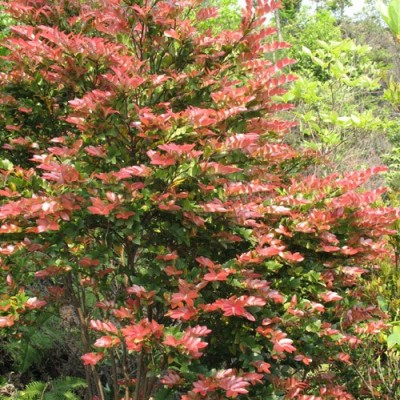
281	342
206	262
33	303
344	357
262	366
234	385
107	341
140	292
96	151
102	326
50	271
199	331
128	172
161	160
330	296
186	295
101	208
213	276
284	345
123	313
178	149
304	359
214	206
44	225
172	271
172	34
89	262
171	378
92	358
184	313
287	255
204	386
6	321
207	13
218	168
235	306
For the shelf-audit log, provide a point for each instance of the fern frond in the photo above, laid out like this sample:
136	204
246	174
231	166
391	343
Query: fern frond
66	384
62	388
33	391
34	342
65	396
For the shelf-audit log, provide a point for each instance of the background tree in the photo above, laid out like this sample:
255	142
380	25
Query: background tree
229	15
289	9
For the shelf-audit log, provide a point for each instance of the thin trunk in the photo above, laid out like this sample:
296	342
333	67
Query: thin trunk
278	24
140	377
114	376
98	383
125	371
78	299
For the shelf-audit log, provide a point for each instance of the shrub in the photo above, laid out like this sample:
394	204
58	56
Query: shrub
341	112
147	185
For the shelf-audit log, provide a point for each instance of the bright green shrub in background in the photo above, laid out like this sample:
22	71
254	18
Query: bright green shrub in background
305	31
340	110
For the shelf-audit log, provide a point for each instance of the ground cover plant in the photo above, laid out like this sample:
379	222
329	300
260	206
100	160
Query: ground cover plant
151	205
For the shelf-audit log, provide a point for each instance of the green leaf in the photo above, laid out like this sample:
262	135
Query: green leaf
164	394
355	119
394	338
306	50
394	16
383	303
6	164
33	391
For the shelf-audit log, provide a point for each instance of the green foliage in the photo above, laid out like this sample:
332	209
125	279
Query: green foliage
392	158
5	22
369	30
339	108
64	388
376	372
36	342
228	17
391	15
338	6
384	288
289	10
305	31
392	95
